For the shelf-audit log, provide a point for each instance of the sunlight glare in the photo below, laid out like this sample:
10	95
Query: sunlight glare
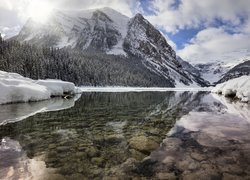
39	10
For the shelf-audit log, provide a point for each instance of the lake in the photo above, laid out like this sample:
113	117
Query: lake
126	135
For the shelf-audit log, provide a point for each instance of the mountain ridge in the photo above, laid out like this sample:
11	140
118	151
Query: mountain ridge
108	31
238	70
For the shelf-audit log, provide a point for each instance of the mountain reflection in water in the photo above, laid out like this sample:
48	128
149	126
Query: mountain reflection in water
155	135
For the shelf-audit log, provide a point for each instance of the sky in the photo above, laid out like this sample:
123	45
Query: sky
200	31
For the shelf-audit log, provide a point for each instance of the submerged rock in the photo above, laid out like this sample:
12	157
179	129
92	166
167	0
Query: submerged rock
227	176
114	138
163	175
202	174
80	154
137	154
56	177
92	151
63	148
97	161
77	176
143	144
198	156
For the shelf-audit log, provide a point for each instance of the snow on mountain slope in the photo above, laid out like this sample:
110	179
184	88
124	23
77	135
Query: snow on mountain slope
121	23
188	67
215	71
96	29
237	71
106	30
193	72
212	72
145	41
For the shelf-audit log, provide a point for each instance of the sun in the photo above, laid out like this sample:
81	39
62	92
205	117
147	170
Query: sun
39	10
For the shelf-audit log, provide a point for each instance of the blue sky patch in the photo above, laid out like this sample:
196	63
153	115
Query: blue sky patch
182	37
147	7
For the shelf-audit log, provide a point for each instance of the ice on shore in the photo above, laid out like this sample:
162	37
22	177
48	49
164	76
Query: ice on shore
238	87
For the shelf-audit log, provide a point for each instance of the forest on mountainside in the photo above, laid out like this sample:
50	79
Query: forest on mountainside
82	68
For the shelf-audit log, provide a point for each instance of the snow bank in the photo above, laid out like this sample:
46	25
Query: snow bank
57	87
16	88
238	87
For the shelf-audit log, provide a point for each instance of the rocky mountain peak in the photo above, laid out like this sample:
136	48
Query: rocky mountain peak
99	15
147	33
139	16
107	31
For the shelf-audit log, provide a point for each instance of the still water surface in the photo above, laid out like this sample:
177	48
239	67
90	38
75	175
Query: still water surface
126	135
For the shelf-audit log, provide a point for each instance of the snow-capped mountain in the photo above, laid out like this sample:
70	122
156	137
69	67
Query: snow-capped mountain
85	30
192	71
221	71
212	72
237	71
106	30
188	67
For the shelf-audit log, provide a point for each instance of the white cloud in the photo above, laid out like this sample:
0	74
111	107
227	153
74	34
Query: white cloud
123	6
246	27
212	43
6	4
22	6
195	13
215	44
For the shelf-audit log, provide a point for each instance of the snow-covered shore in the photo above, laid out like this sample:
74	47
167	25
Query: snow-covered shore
238	87
16	88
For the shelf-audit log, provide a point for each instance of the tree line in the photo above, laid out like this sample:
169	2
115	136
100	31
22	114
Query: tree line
80	67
